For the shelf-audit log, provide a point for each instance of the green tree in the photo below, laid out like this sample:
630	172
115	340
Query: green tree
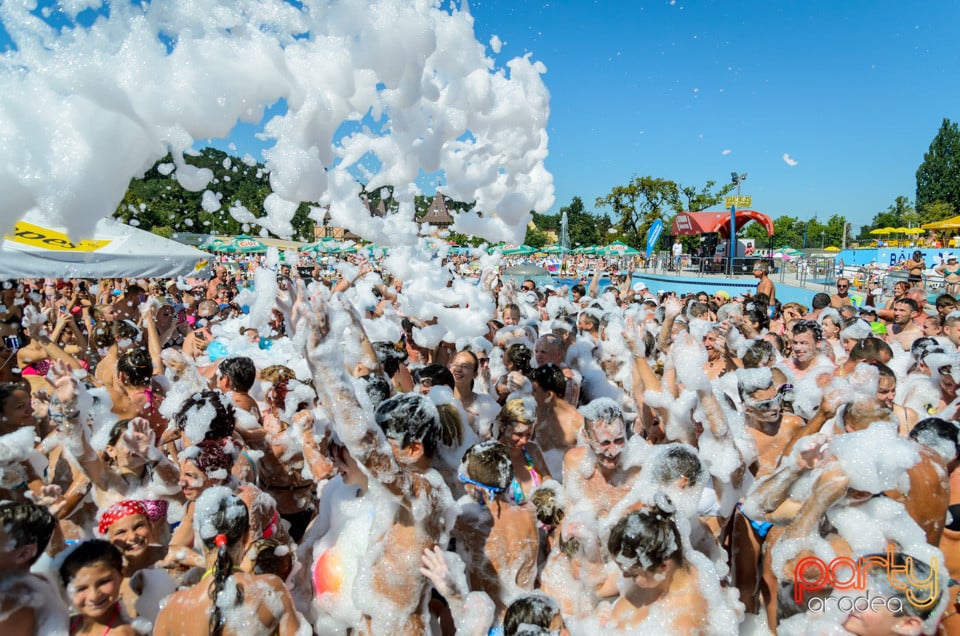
535	237
638	204
157	199
935	211
696	201
938	177
900	213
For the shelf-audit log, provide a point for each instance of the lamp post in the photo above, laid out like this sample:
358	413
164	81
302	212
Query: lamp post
736	179
821	240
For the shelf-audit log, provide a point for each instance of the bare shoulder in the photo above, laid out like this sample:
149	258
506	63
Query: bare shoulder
791	423
574	456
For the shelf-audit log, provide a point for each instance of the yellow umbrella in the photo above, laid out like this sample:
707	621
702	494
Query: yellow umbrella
832	248
952	223
884	230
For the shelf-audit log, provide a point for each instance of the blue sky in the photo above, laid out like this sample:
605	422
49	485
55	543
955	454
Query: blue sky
852	91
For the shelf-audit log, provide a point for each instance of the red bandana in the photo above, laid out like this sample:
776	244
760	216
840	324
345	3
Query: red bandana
118	511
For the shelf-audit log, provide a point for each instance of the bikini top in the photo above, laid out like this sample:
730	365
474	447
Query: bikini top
515	488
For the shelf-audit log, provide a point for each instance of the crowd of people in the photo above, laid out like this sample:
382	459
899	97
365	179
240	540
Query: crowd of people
278	455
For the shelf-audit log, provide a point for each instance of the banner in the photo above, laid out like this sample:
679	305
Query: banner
653	235
45	238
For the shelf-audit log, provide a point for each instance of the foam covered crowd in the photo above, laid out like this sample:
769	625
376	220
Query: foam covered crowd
392	451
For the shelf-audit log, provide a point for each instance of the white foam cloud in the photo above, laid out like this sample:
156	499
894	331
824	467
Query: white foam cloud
84	110
790	161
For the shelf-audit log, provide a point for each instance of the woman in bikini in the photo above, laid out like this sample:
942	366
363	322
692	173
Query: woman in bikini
516	424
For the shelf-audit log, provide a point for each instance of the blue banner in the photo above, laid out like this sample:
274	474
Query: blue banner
653	235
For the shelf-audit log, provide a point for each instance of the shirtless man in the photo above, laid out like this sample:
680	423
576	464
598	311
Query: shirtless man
497	538
951	328
593	472
772	431
397	452
558	423
765	285
951	274
904	331
842	297
805	335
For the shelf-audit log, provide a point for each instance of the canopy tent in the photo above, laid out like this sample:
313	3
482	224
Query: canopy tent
688	223
952	223
37	249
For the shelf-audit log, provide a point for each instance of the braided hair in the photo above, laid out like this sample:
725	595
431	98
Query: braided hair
223	519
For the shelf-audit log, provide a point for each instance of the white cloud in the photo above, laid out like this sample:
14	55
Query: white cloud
790	161
725	152
496	44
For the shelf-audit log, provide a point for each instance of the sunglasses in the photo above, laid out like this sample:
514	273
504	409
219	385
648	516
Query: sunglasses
843	286
764	405
526	288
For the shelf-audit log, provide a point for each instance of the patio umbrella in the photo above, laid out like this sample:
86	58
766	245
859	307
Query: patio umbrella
551	249
884	230
518	250
247	245
832	248
323	245
212	244
952	223
617	248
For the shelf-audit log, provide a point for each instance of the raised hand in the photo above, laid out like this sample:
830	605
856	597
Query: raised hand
50	497
139	437
435	568
633	335
672	307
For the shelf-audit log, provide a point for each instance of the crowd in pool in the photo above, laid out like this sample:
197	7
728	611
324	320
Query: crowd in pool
395	454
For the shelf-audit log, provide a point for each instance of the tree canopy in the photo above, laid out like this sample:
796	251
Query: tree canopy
230	205
938	177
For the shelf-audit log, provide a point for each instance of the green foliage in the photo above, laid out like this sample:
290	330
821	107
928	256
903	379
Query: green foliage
162	230
536	237
638	204
899	214
938	177
157	200
936	211
697	201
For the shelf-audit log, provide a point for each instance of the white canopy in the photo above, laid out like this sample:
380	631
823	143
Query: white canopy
35	249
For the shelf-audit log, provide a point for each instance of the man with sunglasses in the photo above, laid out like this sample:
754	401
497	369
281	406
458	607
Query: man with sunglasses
762	396
842	297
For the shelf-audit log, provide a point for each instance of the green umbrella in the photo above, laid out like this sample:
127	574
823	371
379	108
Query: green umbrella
323	245
246	245
551	249
617	248
519	250
212	244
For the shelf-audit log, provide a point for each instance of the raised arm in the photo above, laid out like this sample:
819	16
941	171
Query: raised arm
365	442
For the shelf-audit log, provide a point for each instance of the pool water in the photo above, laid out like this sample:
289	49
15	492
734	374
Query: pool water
733	286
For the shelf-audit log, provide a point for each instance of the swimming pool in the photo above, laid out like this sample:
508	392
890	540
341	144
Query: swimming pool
733	286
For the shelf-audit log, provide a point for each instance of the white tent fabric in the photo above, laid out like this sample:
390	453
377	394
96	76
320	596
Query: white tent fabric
35	249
